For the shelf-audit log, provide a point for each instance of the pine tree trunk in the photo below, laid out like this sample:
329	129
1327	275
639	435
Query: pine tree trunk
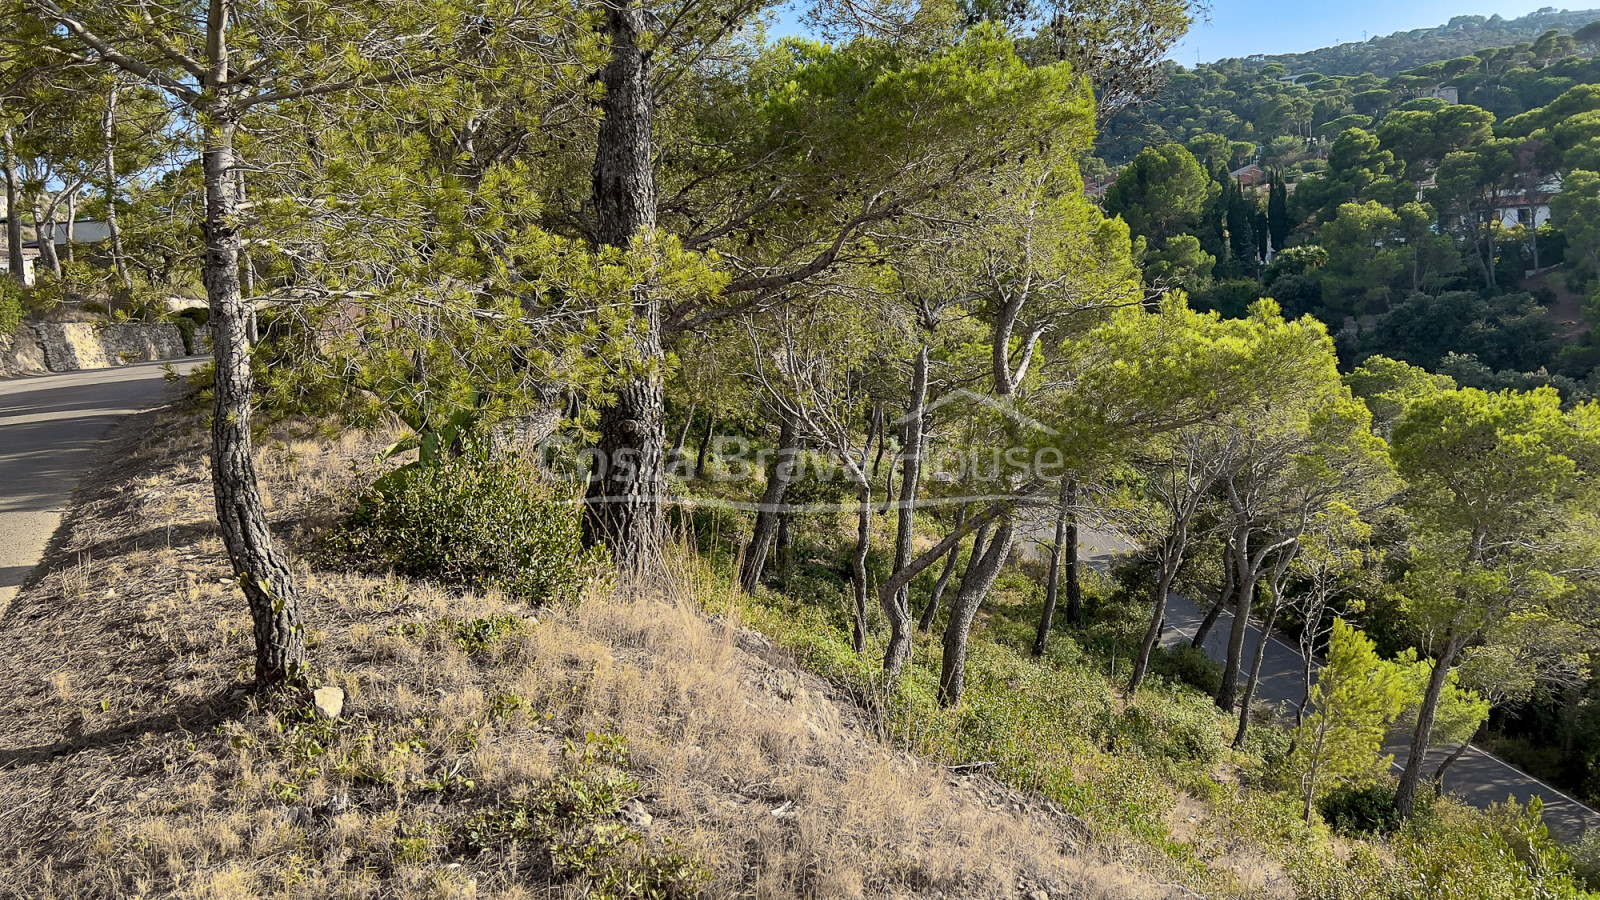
1052	581
675	457
771	508
72	224
1158	615
704	450
1438	774
1223	596
980	577
44	234
262	570
858	561
1255	673
624	507
897	608
1405	795
108	128
1073	568
1228	691
14	257
930	609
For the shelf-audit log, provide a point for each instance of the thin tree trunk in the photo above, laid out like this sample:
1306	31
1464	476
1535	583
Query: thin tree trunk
930	609
1052	581
624	507
1158	616
17	262
108	130
1228	691
44	234
1438	774
897	607
766	526
261	569
675	457
1280	575
1405	795
981	575
1255	672
858	561
1073	565
704	451
1223	596
72	224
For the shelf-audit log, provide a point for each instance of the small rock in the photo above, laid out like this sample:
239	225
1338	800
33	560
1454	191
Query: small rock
784	810
339	803
634	812
300	816
329	701
1038	895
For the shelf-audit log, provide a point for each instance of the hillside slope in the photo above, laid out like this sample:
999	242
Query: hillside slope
618	748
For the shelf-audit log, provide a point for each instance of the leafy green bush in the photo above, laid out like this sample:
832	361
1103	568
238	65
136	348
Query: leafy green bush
10	306
479	520
1361	810
1189	665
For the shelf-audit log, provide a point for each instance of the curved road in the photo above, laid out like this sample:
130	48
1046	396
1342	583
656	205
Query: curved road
50	428
1478	777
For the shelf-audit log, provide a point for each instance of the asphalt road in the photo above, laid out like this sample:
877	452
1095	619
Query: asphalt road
1478	777
50	428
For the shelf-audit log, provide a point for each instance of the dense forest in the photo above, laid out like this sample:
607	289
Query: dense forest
1391	54
1444	216
862	331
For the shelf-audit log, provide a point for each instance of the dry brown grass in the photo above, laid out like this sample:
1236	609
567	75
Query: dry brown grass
134	765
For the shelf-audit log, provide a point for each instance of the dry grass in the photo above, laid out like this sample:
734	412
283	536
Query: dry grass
134	765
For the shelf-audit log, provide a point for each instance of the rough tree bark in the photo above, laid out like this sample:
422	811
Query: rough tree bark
975	585
1405	794
262	570
19	269
771	508
897	607
624	506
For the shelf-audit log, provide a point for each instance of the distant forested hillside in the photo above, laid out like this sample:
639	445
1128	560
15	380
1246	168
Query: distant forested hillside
1394	53
1293	116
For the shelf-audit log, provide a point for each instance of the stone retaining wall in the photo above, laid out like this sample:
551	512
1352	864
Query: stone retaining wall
71	346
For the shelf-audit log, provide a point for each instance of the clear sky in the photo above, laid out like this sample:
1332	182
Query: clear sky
1243	27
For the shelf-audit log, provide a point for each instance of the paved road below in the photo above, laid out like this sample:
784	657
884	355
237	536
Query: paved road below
50	427
1478	777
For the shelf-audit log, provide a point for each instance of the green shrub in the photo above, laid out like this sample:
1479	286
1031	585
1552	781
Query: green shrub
10	306
1361	810
478	520
1189	665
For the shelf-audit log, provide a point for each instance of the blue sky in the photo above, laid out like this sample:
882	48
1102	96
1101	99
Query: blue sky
1243	27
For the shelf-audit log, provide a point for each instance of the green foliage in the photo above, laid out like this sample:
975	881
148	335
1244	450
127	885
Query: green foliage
1356	698
479	520
578	816
1360	809
11	295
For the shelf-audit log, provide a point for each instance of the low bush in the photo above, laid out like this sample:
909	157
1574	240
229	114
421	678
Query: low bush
479	520
1188	665
10	306
1361	810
